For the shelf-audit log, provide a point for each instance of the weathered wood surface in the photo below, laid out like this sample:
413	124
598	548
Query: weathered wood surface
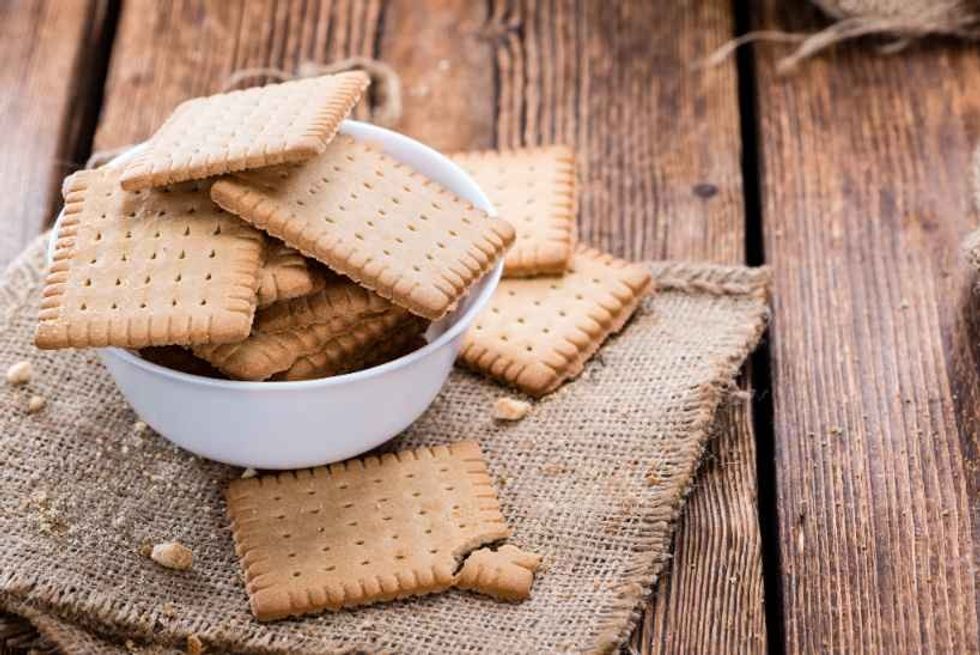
865	201
48	52
659	143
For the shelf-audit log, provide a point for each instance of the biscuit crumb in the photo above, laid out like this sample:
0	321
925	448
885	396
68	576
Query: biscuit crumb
139	427
36	404
510	409
20	373
169	610
172	555
249	473
194	645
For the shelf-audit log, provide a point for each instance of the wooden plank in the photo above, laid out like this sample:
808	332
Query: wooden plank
167	52
48	50
660	146
660	149
865	200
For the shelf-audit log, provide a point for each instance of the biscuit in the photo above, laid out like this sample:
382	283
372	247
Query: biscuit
286	274
537	333
361	531
339	297
375	220
159	267
370	343
505	574
536	190
256	127
264	354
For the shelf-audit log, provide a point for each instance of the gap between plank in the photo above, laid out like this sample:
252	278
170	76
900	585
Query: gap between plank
760	362
91	73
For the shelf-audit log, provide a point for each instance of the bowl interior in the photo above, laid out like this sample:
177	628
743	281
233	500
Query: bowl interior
428	162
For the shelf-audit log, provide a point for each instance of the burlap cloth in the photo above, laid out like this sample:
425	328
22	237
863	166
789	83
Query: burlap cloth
592	479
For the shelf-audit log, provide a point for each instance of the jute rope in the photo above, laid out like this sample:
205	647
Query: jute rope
902	22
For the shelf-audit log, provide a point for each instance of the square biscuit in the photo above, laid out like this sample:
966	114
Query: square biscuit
256	127
149	268
286	274
536	191
536	333
264	354
340	297
369	343
362	531
375	220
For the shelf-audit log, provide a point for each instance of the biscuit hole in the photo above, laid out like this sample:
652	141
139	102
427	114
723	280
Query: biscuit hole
142	305
546	330
409	475
436	205
423	217
93	260
173	303
562	313
211	254
114	306
118	282
191	210
277	498
207	277
315	510
178	278
394	536
203	302
377	481
124	257
129	234
348	505
367	185
428	531
287	535
422	512
399	557
370	223
280	516
415	267
365	562
156	235
182	255
83	307
450	488
359	542
387	254
330	568
292	556
358	236
578	296
88	282
462	526
300	202
433	551
325	549
98	236
296	574
310	492
187	231
416	494
217	229
456	507
395	200
411	227
529	348
342	486
328	219
429	256
385	518
399	240
440	244
382	212
352	524
453	233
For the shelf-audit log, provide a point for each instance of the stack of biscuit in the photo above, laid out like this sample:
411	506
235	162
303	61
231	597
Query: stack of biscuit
559	300
251	233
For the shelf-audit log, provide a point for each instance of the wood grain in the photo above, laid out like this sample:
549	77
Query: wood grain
659	146
46	49
167	52
865	201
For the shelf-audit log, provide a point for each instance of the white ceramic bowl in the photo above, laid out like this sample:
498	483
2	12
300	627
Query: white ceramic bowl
282	425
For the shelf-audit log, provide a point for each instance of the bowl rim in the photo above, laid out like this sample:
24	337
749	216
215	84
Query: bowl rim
461	323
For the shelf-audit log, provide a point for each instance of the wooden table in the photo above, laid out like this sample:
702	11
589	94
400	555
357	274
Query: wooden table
837	512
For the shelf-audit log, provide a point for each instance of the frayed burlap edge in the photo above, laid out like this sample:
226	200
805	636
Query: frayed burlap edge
623	617
617	620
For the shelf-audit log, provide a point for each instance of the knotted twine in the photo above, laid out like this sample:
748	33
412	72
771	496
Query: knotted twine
593	479
903	21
